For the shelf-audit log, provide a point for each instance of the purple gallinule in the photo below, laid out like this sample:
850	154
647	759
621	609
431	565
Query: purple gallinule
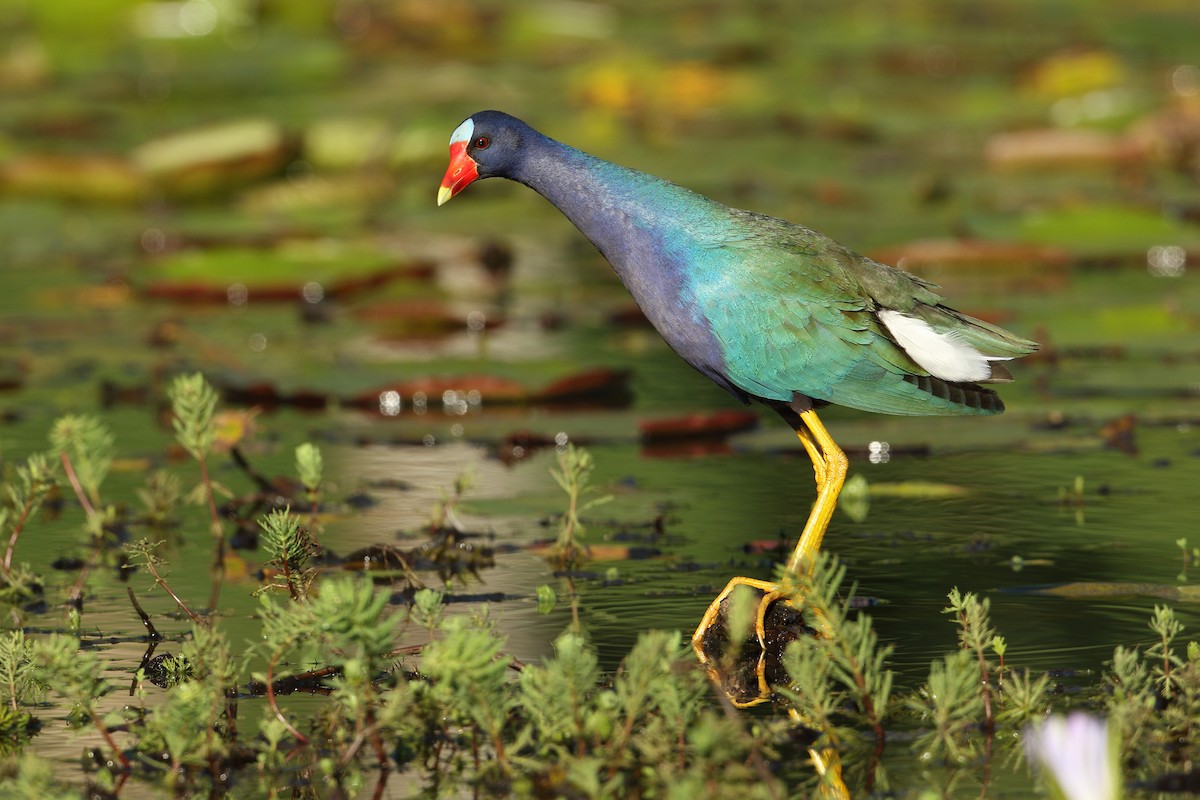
767	309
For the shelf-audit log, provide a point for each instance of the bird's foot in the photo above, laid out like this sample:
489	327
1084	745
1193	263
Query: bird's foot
742	637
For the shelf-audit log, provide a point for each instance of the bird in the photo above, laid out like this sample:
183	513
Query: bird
767	309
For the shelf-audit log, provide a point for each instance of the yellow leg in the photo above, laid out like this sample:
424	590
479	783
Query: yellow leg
832	466
814	454
749	683
828	765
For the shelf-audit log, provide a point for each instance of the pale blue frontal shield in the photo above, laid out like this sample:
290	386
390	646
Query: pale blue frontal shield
463	132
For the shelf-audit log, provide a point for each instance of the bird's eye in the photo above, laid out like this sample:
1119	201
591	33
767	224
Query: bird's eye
482	142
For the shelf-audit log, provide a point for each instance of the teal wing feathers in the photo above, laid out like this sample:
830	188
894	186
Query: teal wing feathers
815	328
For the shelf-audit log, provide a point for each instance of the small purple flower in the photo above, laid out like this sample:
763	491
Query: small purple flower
1077	754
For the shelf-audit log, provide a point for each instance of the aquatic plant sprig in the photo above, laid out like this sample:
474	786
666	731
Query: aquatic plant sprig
950	703
292	551
310	466
84	445
78	675
34	480
194	403
444	515
574	474
465	665
160	496
195	725
145	551
960	696
1153	699
19	682
343	626
858	672
977	636
1167	627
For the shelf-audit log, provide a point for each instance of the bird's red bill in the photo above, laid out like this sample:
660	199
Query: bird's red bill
462	171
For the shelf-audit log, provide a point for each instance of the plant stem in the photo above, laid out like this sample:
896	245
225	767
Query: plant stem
178	600
218	568
74	479
16	534
75	599
104	732
989	722
300	737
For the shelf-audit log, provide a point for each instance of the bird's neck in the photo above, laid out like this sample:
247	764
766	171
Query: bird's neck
622	211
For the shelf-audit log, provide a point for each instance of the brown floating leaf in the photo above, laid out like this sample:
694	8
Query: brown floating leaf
1119	434
598	386
630	316
603	552
1172	135
12	373
601	385
424	319
970	253
522	444
432	388
698	426
1026	267
268	396
1060	147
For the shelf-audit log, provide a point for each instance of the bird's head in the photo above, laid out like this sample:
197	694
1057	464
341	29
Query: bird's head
485	145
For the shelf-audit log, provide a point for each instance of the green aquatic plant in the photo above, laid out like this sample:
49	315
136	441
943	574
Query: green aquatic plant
160	496
19	683
1152	697
444	515
77	675
1166	661
976	635
569	553
145	552
193	405
19	686
950	704
291	549
85	446
966	692
310	467
31	777
844	667
24	495
436	694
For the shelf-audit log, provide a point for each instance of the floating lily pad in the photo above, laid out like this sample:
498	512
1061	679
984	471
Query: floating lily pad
91	178
239	274
1094	229
207	160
